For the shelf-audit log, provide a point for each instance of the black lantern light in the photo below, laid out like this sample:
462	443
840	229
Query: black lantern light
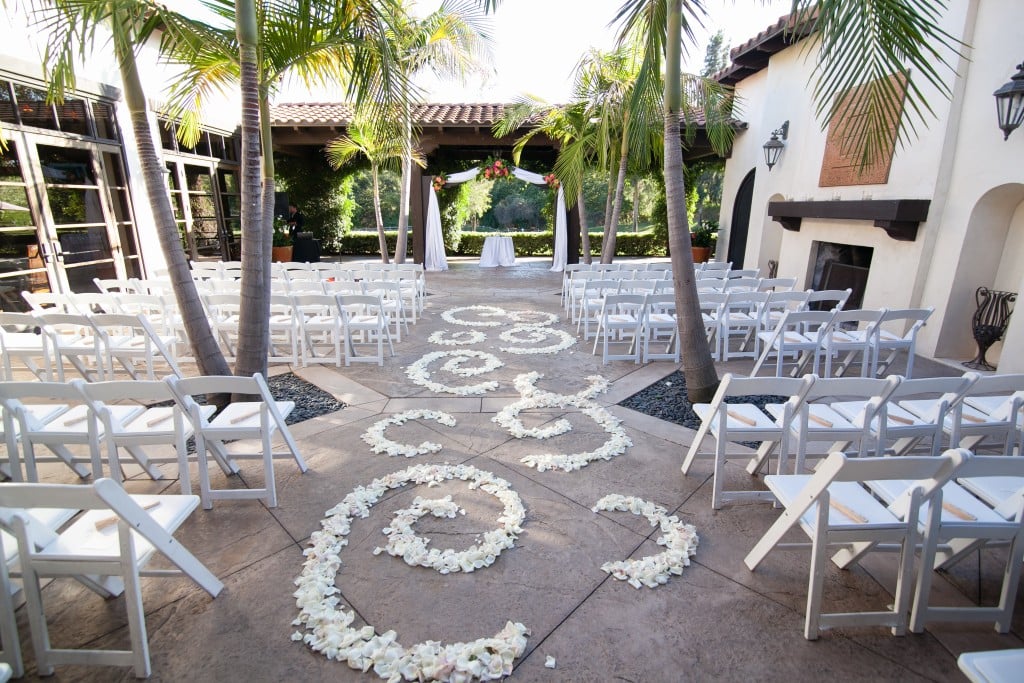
1010	102
773	148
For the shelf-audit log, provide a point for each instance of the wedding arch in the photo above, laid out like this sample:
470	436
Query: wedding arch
434	255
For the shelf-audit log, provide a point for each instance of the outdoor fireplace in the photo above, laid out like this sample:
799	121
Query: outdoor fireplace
841	266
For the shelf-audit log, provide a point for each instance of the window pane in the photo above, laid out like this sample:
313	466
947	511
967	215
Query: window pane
19	250
167	135
129	246
112	167
133	267
62	165
14	207
84	244
231	148
202	206
198	179
33	108
10	167
72	116
7	103
103	114
229	182
203	146
70	205
216	145
122	210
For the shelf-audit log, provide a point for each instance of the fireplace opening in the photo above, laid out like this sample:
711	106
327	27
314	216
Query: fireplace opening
842	266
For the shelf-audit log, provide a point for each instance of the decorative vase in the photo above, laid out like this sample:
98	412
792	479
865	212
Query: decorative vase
701	254
281	254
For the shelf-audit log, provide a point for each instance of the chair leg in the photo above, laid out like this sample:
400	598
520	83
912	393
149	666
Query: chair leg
133	604
268	469
816	580
9	625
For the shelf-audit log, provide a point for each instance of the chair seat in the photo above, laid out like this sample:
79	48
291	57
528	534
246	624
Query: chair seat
102	543
958	505
825	419
1002	493
76	420
746	411
246	415
847	495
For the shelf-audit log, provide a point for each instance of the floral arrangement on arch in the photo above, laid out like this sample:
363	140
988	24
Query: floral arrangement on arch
494	169
439	182
552	181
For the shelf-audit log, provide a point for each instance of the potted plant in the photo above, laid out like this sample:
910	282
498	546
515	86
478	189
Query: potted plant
281	250
702	239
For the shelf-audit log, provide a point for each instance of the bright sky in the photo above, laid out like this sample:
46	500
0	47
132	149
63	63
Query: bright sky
537	43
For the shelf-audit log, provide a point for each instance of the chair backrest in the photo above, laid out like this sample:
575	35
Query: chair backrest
185	388
23	392
48	302
1009	387
743	283
22	322
951	390
816	322
786	301
866	317
777	284
717	265
796	388
819	299
710	284
745	273
311	303
594	289
907	320
664	302
124	390
632	303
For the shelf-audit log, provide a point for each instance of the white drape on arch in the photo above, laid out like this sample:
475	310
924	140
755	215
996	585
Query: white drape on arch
433	254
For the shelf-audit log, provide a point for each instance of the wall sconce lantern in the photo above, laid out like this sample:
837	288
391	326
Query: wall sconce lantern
773	148
1010	102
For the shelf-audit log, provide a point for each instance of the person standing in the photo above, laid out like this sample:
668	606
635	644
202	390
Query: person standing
296	221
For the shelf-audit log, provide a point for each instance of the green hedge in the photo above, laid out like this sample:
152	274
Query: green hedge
647	243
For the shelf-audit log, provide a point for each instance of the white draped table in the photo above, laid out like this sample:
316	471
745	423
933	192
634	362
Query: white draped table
497	251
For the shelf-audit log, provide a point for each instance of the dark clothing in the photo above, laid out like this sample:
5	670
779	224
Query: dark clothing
296	223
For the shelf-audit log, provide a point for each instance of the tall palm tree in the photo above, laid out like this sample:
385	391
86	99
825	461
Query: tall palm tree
450	42
71	28
382	150
571	126
322	42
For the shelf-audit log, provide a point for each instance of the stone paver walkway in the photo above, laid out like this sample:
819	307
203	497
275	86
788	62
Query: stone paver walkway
718	621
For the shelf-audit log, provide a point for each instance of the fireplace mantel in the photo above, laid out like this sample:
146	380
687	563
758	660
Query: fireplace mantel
898	217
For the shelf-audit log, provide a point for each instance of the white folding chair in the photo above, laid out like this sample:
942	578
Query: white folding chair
798	335
712	314
827	299
131	339
963	524
851	333
283	327
75	425
735	421
620	322
591	301
819	421
117	537
259	419
887	340
73	338
22	339
225	313
364	322
660	324
919	410
834	509
320	328
741	318
991	410
393	304
777	284
155	425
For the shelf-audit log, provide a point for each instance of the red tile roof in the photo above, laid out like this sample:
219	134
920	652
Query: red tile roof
753	55
430	114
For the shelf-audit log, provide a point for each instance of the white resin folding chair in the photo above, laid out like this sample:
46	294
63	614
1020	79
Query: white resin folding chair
991	411
620	322
283	327
919	410
117	286
835	510
131	340
799	336
321	331
225	313
852	333
819	422
740	320
258	419
49	302
39	413
736	421
115	539
712	313
73	339
22	339
590	302
893	342
660	324
364	322
778	304
963	525
743	284
827	299
777	284
577	280
76	425
163	424
718	266
393	302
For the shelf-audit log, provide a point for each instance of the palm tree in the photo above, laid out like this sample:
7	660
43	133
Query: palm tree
571	126
320	41
71	26
382	150
450	42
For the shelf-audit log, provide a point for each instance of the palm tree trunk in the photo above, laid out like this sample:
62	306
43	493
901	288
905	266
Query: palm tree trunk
636	205
584	228
204	345
377	215
609	199
698	366
254	316
612	229
403	195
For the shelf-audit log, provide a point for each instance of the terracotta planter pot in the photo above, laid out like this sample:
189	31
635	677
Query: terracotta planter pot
281	254
701	254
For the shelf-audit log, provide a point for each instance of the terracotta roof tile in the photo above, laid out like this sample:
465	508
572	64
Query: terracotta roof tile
430	114
751	56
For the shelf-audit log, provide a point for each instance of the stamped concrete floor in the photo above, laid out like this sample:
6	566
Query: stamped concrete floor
718	621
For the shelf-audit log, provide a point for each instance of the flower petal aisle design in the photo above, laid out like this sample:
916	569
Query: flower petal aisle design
418	373
532	397
381	444
451	316
457	338
653	570
534	334
403	541
328	623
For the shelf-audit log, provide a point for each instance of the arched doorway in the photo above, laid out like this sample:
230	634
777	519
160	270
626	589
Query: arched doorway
740	221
